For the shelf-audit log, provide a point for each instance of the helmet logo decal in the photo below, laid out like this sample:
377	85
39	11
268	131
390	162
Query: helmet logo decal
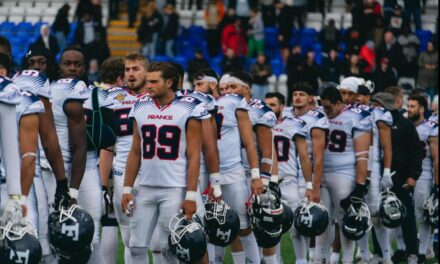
223	235
21	257
307	220
70	230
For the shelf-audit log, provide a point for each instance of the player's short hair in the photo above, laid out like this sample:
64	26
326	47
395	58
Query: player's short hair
5	43
205	72
5	62
394	90
332	94
111	69
136	56
278	95
77	49
421	100
303	87
244	76
179	69
167	70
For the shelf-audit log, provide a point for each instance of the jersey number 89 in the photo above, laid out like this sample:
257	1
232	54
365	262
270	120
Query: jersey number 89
163	142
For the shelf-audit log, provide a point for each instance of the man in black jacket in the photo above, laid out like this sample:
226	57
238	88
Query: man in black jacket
407	163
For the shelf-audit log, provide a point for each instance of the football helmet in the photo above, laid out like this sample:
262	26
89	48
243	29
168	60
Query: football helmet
222	224
310	219
265	213
391	210
356	221
18	244
430	209
286	218
187	239
70	231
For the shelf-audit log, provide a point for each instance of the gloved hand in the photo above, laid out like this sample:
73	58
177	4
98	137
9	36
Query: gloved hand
62	197
15	210
355	198
367	185
387	181
434	190
108	202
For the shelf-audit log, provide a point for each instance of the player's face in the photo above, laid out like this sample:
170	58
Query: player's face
275	105
347	96
329	108
300	99
135	75
202	86
223	87
414	110
72	65
362	99
38	63
236	89
156	85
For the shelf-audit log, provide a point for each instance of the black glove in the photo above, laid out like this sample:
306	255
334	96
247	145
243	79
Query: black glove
62	197
107	200
275	188
434	190
367	185
355	198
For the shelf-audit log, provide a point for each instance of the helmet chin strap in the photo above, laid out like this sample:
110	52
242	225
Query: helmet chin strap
67	214
15	232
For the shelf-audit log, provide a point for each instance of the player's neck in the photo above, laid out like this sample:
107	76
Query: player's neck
299	111
165	99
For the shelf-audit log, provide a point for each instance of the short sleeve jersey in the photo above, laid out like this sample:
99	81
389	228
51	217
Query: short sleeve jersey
34	82
64	91
9	94
228	142
284	135
379	114
339	155
163	139
427	130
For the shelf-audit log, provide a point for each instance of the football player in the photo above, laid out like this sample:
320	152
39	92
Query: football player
262	119
345	165
380	155
233	123
428	133
290	143
223	83
164	159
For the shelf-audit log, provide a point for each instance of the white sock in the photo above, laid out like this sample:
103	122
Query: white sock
278	252
238	257
363	247
270	259
109	244
334	258
382	236
219	254
251	248
311	253
424	238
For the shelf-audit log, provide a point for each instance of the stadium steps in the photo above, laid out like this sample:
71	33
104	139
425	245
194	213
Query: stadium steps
121	39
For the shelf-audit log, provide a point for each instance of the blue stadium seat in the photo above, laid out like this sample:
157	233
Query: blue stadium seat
71	36
249	62
180	60
24	27
307	38
161	58
271	44
277	67
7	28
215	63
424	36
317	48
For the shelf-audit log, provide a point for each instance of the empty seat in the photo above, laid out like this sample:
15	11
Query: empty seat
25	5
15	19
41	5
4	10
17	11
181	61
47	19
50	11
10	4
314	17
32	19
277	66
429	18
314	24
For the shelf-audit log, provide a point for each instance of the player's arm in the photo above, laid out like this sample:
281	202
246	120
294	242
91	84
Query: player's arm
210	150
318	148
131	170
193	148
105	164
306	164
433	145
78	143
28	138
361	147
245	128
265	142
385	143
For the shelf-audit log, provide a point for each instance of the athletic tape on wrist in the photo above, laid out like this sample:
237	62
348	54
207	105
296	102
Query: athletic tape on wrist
73	193
255	173
127	190
309	185
267	161
191	196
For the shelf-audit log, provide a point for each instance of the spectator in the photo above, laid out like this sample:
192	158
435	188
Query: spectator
293	69
330	37
353	68
384	76
148	31
268	12
40	59
379	30
413	8
5	64
170	29
233	38
114	9
132	6
309	71
214	13
356	7
410	45
397	20
367	57
61	26
82	7
391	50
197	64
255	34
331	69
389	7
260	71
298	10
316	6
46	40
428	70
353	41
242	9
372	10
397	92
231	62
5	48
93	72
285	25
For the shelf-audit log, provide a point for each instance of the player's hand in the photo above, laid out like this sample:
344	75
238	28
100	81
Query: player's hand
257	186
108	203
387	180
215	193
316	194
434	190
127	203
189	208
409	184
15	210
62	199
355	198
309	195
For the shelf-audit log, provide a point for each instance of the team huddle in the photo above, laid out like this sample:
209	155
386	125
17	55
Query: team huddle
184	174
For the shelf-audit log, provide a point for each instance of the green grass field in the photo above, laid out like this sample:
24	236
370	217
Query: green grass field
286	252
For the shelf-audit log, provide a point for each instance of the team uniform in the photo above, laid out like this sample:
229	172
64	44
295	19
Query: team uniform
339	173
426	131
161	184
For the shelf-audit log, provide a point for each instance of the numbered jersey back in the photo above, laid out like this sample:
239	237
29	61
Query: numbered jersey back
34	82
339	156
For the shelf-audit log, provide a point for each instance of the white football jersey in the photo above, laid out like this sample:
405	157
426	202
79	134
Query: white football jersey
123	102
284	134
228	142
63	91
378	114
339	155
163	137
260	115
34	82
426	130
434	118
211	107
